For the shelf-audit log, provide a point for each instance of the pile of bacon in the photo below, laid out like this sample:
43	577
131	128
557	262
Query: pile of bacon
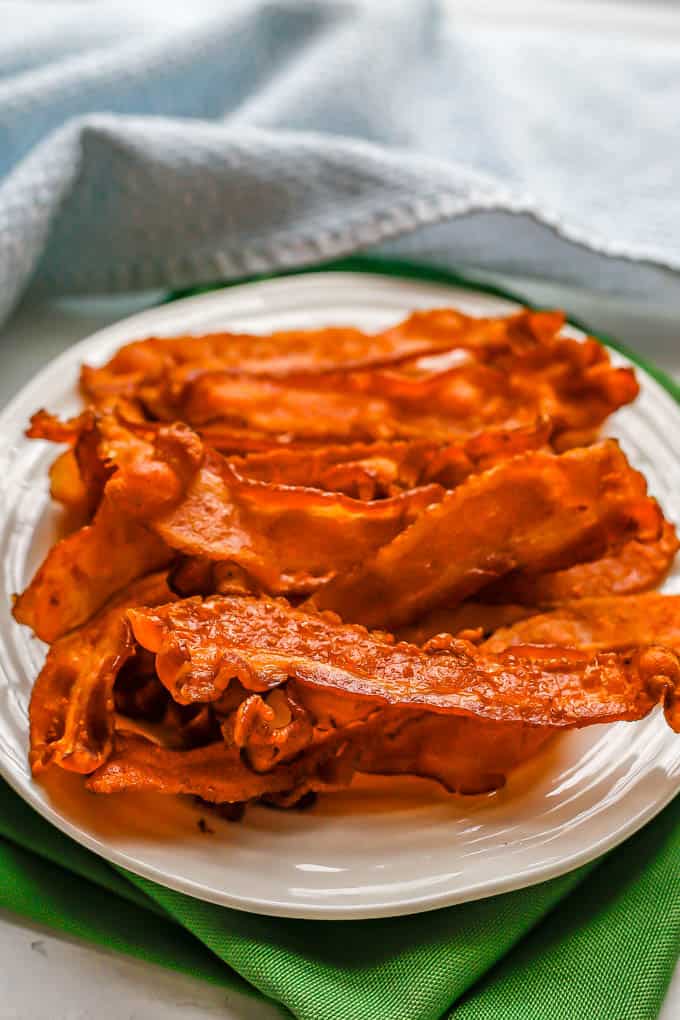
319	553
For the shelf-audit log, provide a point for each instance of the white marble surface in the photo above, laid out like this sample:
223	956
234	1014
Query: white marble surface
47	977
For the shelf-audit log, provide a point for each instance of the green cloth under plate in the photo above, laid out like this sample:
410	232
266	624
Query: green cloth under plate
601	943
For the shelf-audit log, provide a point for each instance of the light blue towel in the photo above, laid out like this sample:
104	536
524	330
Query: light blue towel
150	144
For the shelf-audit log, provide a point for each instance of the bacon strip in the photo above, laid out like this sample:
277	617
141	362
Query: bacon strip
598	624
284	536
47	426
75	479
343	385
85	569
201	647
577	395
637	566
477	619
447	713
464	755
104	440
376	470
173	496
71	711
216	773
339	410
536	512
281	354
317	351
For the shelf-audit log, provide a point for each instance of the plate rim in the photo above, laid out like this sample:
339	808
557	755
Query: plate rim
28	790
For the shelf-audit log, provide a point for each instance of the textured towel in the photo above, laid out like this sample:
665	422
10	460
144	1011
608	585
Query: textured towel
144	146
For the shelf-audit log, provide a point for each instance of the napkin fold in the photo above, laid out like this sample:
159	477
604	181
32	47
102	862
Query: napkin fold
166	144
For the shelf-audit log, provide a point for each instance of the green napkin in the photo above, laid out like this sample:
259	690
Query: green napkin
599	944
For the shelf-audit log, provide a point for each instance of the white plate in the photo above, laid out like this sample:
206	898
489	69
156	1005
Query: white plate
386	847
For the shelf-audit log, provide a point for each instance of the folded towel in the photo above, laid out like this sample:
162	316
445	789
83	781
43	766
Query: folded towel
141	146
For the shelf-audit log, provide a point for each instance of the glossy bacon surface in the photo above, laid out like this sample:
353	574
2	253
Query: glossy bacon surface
388	477
201	647
532	513
637	566
84	570
164	492
344	385
316	352
71	712
599	624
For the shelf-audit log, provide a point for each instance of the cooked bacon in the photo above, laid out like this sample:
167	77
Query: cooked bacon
388	476
48	426
312	352
201	647
332	410
598	624
81	572
374	470
637	566
71	482
534	513
480	619
220	382
85	569
216	773
286	537
173	496
72	710
364	703
67	486
99	441
223	517
574	382
241	412
487	338
317	351
362	470
465	755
